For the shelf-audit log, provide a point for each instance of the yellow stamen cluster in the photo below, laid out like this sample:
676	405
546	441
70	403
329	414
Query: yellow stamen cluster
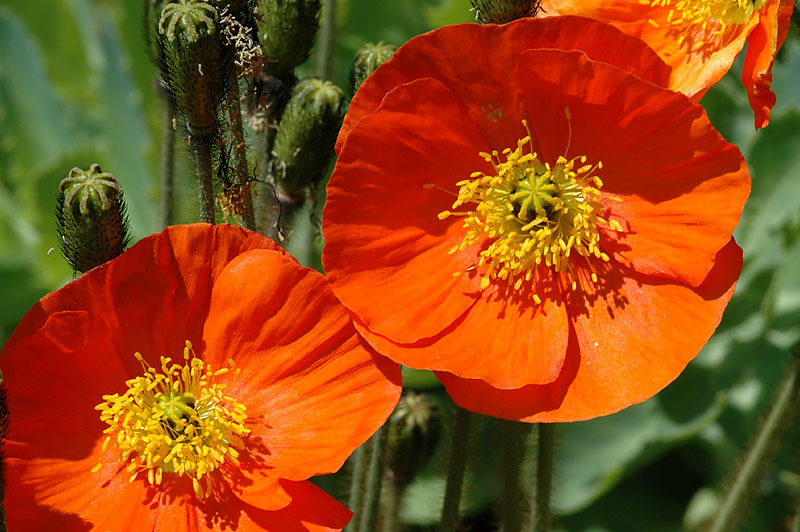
710	17
534	213
175	421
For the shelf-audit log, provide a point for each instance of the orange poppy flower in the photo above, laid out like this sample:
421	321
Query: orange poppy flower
265	385
515	215
700	39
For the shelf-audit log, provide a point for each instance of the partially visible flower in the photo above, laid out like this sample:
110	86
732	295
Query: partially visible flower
193	383
700	39
524	211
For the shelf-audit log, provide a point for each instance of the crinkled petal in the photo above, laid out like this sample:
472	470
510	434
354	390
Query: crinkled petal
314	392
659	154
623	349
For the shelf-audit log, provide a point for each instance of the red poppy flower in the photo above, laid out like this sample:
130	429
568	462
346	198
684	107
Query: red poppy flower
533	221
266	385
700	38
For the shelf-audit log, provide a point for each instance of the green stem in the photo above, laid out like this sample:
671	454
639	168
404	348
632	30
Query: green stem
202	145
391	507
758	456
544	478
327	36
167	163
377	471
455	471
513	450
240	154
354	502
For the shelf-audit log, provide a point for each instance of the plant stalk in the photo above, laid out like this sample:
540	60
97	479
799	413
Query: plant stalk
455	471
167	162
327	38
377	472
240	155
513	451
758	456
202	146
356	498
544	478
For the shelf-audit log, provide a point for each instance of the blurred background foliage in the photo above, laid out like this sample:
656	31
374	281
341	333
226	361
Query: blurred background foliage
76	87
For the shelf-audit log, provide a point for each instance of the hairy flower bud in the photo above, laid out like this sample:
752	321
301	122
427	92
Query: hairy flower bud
91	220
306	134
502	11
368	59
195	63
287	30
413	437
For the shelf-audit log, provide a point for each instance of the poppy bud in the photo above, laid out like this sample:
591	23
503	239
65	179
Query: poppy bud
287	31
152	14
502	11
91	220
306	134
368	59
194	61
413	437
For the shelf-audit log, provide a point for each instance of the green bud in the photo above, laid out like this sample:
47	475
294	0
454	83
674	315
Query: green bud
152	16
414	434
195	63
287	30
91	220
368	59
502	11
306	135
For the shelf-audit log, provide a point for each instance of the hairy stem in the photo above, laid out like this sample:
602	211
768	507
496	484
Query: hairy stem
513	450
202	146
327	37
167	162
240	155
758	456
377	470
544	478
455	471
356	499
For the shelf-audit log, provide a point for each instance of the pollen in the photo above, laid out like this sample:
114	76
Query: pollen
703	19
533	213
175	421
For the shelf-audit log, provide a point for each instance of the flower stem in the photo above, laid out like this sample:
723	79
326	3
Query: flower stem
327	35
240	154
391	507
202	145
377	470
167	163
758	456
455	471
544	478
513	449
354	502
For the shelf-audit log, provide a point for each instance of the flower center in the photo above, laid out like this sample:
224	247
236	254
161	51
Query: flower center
534	213
714	16
175	421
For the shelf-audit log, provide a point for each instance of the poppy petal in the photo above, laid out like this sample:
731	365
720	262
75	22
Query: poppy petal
392	249
465	56
305	374
490	338
665	192
606	368
765	40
